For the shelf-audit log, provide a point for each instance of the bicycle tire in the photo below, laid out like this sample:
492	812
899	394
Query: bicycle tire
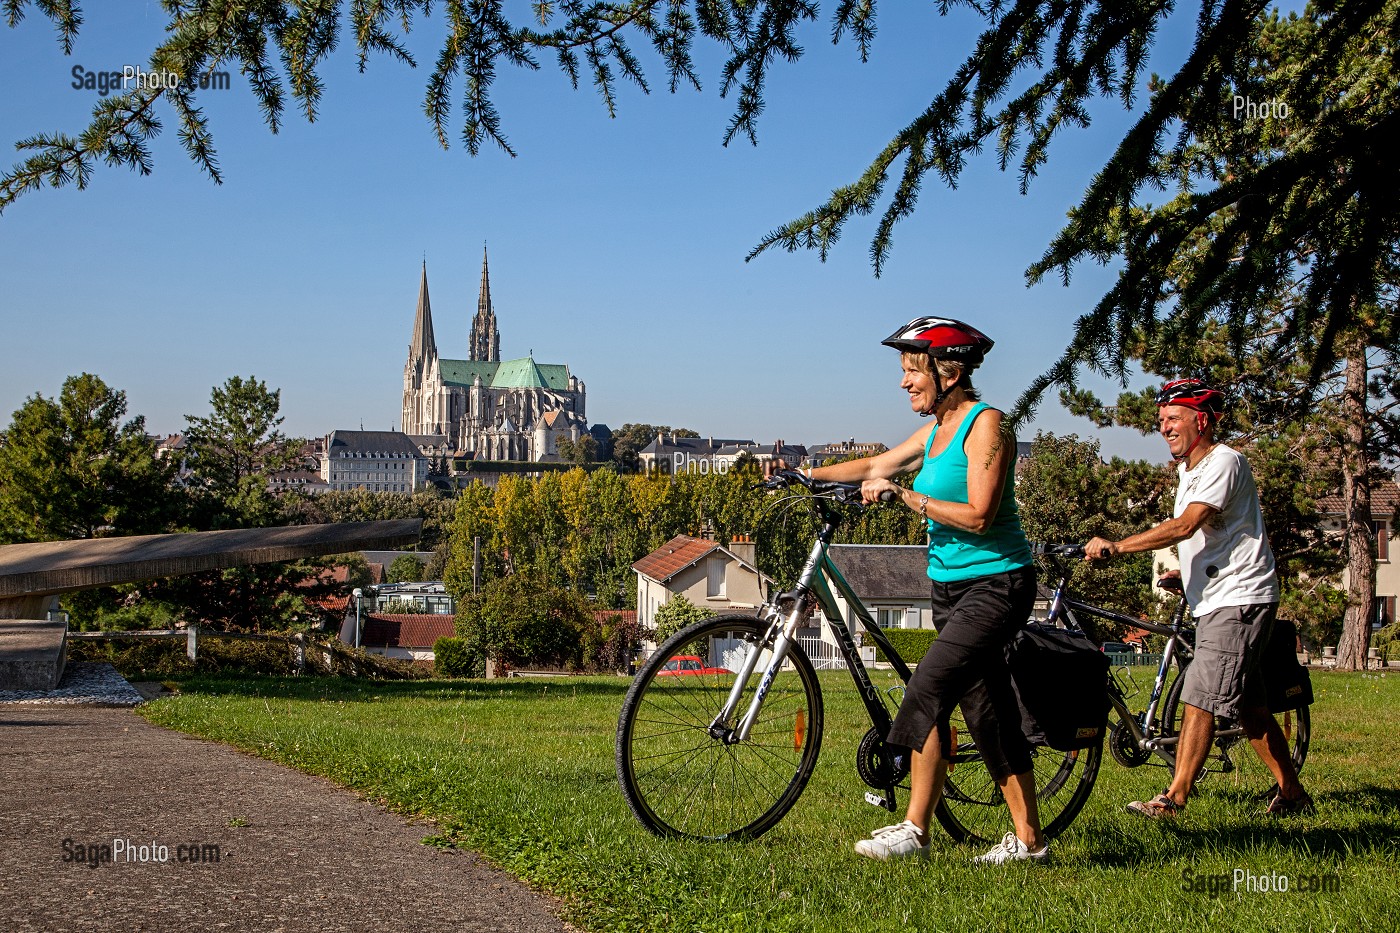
1246	773
678	779
973	809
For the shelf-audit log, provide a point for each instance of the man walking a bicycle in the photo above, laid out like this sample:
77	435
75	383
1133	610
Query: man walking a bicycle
1227	570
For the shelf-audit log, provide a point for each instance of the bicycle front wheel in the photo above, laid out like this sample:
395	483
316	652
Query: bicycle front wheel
1232	764
973	808
680	773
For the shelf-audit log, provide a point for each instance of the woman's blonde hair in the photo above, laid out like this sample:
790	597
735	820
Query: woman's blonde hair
946	368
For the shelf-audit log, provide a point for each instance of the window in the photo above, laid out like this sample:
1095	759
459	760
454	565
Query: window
714	578
1384	610
1382	530
890	618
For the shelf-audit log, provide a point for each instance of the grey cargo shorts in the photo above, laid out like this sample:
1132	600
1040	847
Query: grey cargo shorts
1225	675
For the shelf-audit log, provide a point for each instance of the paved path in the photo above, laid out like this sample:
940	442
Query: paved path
312	856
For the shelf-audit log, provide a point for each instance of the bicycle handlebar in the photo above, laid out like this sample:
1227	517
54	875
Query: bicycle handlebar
845	492
1057	550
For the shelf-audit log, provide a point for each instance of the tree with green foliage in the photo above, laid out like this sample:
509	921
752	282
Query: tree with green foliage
675	614
523	621
72	468
471	562
1067	493
581	452
434	507
1285	288
234	449
406	568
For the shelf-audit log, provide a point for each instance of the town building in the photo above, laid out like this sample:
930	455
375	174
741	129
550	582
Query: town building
379	461
709	575
1385	501
672	454
484	408
842	450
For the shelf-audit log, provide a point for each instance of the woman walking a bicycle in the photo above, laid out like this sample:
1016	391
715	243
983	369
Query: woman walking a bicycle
982	581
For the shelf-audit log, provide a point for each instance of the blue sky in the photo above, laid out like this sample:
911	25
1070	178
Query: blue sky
617	245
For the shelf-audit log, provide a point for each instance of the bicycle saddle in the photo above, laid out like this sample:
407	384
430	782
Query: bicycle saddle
1171	583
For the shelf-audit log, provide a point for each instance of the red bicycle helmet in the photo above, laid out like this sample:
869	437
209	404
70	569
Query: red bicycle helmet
942	338
1192	393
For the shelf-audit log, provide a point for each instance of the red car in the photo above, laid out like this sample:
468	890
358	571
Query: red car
683	664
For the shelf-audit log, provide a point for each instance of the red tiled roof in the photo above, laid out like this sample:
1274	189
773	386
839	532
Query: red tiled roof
680	552
627	615
405	630
1385	498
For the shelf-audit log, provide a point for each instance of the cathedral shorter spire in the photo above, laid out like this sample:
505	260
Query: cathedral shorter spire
485	342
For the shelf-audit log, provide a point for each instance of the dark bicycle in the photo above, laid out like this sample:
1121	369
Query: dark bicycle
1150	735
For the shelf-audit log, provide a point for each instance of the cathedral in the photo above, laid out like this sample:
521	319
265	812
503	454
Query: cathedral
483	408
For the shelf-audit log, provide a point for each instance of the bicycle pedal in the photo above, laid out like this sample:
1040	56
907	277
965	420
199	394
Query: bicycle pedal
884	801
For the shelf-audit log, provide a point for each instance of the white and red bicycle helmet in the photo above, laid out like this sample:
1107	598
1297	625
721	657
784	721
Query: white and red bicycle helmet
1194	394
942	338
1207	403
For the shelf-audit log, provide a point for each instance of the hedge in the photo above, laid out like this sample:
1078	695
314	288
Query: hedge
458	657
911	643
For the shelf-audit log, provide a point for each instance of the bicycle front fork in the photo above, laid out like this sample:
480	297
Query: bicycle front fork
785	626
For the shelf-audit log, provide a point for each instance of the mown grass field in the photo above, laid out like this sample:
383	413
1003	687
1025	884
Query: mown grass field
522	771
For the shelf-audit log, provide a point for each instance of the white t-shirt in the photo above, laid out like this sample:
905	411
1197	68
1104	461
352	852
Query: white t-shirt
1227	562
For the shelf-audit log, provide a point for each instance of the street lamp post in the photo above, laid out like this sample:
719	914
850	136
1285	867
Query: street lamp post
358	592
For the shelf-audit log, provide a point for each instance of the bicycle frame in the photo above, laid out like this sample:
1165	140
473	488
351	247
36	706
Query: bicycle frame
1064	609
1143	726
785	613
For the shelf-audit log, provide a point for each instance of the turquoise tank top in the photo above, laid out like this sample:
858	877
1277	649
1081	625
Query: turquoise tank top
954	554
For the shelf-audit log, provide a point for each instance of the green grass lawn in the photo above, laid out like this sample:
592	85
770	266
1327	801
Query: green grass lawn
522	771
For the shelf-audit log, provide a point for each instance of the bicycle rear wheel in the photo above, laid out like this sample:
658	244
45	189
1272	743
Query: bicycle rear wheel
1232	764
679	775
973	808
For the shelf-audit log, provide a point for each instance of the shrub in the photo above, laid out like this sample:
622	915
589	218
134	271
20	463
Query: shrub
524	622
458	657
911	643
608	645
273	656
676	614
406	568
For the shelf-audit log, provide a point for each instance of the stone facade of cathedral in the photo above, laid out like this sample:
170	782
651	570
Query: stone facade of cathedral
483	408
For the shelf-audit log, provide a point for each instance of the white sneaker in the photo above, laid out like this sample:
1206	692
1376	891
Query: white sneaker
1012	849
895	841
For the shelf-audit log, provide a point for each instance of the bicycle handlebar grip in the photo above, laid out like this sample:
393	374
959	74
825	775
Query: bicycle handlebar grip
889	496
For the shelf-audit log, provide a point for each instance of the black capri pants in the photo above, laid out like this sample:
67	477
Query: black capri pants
966	664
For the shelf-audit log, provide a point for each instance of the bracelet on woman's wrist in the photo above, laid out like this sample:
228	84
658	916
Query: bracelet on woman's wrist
923	504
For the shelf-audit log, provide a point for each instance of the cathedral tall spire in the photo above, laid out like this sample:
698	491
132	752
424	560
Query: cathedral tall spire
485	340
423	344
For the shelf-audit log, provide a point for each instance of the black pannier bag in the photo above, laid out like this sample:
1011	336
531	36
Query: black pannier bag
1286	682
1061	683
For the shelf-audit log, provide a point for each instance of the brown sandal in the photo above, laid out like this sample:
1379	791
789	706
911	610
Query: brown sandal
1160	807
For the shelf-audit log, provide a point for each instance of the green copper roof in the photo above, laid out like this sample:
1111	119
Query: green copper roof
508	374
